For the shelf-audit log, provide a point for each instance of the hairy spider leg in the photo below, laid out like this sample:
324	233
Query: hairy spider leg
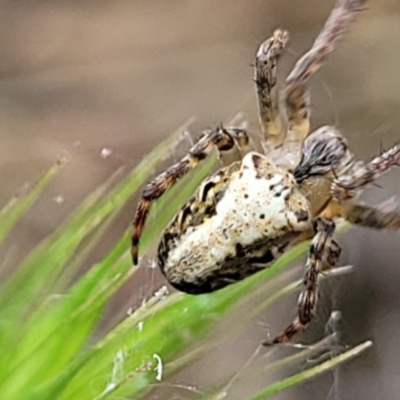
296	96
346	186
243	145
371	217
265	79
324	252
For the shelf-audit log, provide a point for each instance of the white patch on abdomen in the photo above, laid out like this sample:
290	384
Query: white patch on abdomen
253	208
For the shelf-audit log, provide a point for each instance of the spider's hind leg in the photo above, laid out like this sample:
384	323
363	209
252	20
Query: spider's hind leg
324	252
221	139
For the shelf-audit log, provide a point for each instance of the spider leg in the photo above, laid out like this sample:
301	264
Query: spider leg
220	139
324	252
372	217
265	80
295	94
242	145
383	216
345	187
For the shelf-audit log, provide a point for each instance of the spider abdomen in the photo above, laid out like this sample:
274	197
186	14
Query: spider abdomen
253	215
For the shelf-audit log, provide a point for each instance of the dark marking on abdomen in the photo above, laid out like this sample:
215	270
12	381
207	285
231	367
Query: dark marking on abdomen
247	261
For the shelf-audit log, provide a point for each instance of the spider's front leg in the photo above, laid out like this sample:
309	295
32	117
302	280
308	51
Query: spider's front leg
222	139
265	80
295	95
324	253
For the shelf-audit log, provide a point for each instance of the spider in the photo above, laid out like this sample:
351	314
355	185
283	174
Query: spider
253	209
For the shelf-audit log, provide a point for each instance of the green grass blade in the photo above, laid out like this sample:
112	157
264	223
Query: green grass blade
311	373
12	212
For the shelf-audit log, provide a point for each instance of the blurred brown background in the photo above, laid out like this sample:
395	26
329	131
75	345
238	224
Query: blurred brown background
82	76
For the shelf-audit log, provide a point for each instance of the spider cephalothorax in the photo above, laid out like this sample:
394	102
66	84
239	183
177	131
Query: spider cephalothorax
249	212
